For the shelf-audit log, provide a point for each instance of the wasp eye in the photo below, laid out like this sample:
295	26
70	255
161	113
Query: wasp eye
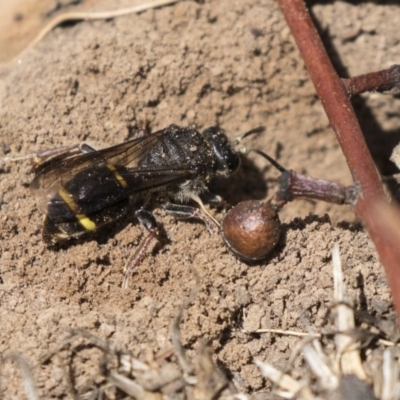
227	159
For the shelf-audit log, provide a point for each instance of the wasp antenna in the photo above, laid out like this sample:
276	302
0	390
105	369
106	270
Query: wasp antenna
270	159
254	131
260	129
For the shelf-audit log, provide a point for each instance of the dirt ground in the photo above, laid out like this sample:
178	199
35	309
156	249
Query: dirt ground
228	62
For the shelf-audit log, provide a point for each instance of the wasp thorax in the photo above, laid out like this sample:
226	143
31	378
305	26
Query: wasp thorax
251	229
227	159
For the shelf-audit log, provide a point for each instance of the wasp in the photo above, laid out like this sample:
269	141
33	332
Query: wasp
82	189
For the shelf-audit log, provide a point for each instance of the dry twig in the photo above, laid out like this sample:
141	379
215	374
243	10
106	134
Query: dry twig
335	97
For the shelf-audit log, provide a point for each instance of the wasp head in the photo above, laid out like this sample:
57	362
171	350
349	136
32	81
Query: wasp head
227	160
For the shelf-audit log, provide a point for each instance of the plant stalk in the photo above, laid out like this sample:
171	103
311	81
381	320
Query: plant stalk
335	99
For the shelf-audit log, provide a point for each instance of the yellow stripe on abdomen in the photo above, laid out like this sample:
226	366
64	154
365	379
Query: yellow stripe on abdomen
84	220
117	175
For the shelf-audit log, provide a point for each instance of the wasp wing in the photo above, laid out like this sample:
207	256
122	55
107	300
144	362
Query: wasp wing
103	190
58	170
94	180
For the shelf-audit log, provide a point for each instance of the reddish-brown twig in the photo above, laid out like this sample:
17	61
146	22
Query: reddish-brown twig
293	185
335	99
385	80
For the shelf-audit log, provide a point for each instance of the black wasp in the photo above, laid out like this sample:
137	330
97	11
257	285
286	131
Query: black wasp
83	189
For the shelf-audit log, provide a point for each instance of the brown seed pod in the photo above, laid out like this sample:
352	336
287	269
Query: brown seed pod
251	229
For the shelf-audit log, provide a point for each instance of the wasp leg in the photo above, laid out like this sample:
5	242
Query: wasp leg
197	199
139	129
146	218
43	155
85	148
215	200
181	211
